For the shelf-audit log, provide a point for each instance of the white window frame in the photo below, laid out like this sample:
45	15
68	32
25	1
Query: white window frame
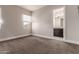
26	20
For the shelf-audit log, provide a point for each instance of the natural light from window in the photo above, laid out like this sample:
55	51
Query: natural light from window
26	20
1	21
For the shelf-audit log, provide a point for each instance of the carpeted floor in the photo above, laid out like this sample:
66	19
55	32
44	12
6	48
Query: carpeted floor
37	45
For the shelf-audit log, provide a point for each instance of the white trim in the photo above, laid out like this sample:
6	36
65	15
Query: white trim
57	38
10	38
42	36
69	41
64	25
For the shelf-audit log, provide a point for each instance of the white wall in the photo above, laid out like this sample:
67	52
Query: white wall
72	23
43	21
12	22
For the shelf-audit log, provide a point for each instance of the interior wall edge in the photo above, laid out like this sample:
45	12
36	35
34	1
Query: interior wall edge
14	37
68	41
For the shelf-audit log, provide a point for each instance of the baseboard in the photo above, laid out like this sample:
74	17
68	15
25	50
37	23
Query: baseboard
68	41
57	38
14	37
42	36
73	42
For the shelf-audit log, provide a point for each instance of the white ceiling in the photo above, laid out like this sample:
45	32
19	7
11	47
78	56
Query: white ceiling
32	7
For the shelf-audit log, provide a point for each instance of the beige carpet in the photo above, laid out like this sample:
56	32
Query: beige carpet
37	45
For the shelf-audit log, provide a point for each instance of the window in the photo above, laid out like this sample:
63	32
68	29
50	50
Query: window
26	20
1	21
